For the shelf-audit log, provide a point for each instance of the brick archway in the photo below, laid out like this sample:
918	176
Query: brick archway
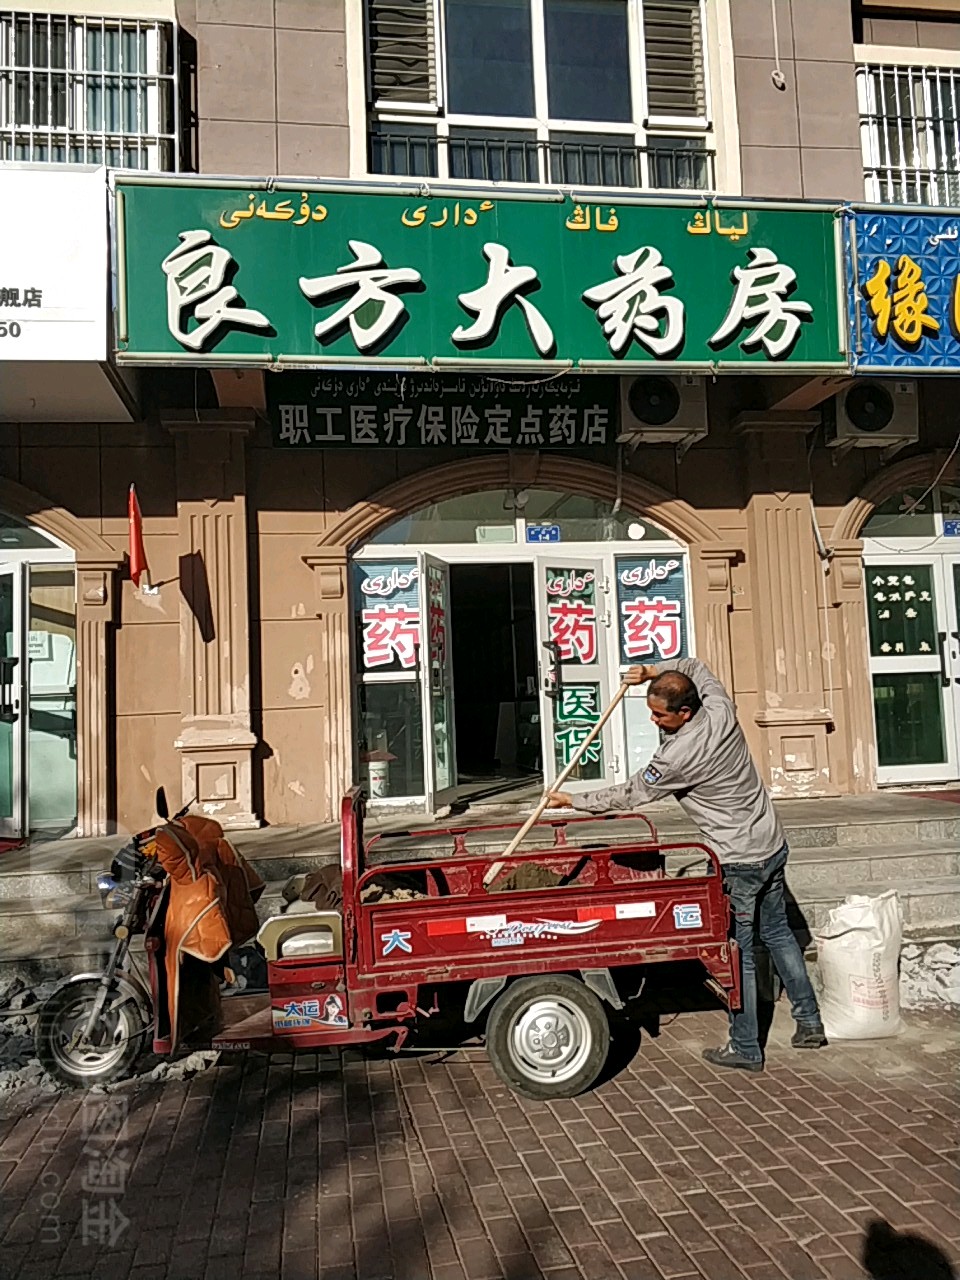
455	479
710	561
925	469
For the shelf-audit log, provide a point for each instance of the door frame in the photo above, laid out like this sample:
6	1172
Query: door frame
945	660
596	672
436	681
522	552
14	826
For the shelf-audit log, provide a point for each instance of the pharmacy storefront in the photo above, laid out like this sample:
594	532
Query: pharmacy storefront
475	410
491	631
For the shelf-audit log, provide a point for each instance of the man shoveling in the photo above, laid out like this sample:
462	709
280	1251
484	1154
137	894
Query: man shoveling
704	761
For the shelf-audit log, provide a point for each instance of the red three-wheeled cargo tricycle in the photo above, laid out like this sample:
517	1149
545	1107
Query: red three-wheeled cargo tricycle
538	945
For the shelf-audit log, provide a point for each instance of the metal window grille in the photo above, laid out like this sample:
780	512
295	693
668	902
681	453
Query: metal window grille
88	91
910	133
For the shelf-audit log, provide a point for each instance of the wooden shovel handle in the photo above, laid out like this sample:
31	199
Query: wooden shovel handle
496	867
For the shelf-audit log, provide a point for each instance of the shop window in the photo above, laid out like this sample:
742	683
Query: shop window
921	512
503	515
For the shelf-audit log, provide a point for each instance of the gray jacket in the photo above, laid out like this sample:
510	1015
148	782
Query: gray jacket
708	767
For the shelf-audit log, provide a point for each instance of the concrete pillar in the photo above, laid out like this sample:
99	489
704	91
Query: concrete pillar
96	597
845	638
713	600
330	567
793	712
216	740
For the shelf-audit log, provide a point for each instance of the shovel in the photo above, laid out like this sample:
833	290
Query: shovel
496	867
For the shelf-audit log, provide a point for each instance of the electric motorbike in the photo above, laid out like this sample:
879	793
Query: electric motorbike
94	1026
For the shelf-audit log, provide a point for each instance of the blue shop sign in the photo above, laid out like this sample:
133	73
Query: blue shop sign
903	290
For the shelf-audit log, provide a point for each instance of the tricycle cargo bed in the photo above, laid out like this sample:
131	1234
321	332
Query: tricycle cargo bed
610	905
615	923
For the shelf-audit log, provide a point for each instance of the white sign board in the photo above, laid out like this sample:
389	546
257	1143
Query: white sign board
53	263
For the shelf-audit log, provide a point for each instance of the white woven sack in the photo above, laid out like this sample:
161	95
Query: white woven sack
858	952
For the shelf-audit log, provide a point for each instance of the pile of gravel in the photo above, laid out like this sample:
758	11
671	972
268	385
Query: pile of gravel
20	1070
929	975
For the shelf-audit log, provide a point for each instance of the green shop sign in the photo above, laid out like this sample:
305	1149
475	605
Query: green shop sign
298	276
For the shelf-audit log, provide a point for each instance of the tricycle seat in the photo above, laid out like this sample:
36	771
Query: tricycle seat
300	935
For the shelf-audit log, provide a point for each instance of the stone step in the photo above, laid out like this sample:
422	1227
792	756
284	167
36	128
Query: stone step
931	907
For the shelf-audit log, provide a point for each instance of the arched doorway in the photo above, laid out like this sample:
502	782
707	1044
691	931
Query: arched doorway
38	681
911	554
490	629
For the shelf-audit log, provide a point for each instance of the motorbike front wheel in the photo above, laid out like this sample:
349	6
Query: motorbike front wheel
114	1045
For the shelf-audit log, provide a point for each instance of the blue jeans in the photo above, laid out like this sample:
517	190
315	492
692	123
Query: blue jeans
757	899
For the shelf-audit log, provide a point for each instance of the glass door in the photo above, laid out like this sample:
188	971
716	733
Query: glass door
51	707
437	680
12	815
572	617
912	613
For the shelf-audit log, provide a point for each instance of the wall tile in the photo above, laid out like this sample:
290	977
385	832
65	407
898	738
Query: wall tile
771	171
311	77
312	15
832	173
768	116
237	146
313	150
236	73
826	93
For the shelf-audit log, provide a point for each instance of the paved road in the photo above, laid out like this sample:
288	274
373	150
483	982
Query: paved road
431	1170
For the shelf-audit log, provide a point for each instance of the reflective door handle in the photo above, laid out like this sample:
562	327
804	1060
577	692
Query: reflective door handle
554	681
9	702
944	678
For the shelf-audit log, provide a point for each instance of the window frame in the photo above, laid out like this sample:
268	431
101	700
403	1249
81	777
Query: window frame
870	59
155	146
644	129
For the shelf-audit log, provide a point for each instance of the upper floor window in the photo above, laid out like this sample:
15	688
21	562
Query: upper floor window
910	133
576	92
88	91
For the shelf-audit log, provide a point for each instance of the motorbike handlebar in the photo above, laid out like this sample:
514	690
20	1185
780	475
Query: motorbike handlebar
142	837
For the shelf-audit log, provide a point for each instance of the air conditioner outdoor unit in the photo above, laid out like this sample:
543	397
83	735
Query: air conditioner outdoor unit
658	408
873	415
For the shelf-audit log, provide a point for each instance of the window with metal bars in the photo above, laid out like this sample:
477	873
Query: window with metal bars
79	90
910	133
599	92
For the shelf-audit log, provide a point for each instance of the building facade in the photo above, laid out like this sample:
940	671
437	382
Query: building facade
390	556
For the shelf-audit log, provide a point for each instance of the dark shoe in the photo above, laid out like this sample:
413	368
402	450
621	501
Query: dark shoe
728	1057
808	1037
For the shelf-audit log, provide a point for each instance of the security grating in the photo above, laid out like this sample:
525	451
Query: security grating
910	133
88	91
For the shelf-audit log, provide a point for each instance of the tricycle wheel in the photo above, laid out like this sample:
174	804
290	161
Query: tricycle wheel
117	1040
548	1037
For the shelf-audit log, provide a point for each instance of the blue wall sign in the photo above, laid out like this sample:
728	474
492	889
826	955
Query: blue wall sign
903	290
543	533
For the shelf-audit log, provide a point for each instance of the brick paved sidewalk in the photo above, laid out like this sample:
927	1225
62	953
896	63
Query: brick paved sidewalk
431	1170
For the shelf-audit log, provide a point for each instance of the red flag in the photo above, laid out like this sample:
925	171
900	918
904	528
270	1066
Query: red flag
138	556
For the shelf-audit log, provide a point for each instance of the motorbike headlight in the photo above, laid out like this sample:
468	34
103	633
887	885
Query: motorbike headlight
112	895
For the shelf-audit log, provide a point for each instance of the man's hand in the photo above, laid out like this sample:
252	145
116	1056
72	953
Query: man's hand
639	675
559	800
